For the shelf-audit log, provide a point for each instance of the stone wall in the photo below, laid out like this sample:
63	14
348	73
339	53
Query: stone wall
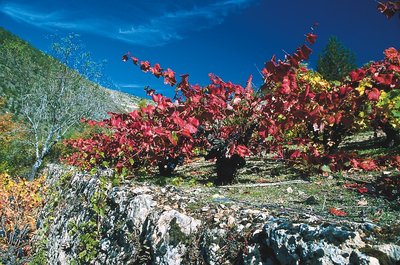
88	221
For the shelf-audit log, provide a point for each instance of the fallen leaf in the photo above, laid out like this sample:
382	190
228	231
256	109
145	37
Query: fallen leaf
337	212
362	202
363	189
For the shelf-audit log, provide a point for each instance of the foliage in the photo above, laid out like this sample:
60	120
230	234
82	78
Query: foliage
54	97
377	87
20	201
12	138
386	186
81	130
220	119
389	8
153	134
53	107
336	61
22	66
7	127
26	75
296	115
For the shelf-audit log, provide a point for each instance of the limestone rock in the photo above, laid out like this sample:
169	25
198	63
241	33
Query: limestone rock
89	222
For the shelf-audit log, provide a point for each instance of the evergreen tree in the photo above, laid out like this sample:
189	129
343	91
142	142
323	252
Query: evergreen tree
336	61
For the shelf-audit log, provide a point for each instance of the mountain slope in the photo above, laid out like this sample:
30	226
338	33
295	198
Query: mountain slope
21	65
45	100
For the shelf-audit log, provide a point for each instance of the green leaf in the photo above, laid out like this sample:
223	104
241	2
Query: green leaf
326	168
396	113
175	136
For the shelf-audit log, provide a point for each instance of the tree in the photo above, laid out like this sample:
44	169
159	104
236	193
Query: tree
55	103
336	62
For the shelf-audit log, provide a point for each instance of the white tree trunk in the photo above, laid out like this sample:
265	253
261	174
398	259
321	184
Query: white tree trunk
35	168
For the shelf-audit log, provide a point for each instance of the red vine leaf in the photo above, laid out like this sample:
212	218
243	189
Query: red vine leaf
337	212
311	38
374	94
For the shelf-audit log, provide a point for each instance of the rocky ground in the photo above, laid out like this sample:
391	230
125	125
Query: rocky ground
272	215
284	190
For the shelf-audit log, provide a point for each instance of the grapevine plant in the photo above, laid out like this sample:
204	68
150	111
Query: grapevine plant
295	114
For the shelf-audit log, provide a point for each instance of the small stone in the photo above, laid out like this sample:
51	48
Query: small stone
301	193
219	214
235	207
141	190
252	212
369	226
205	209
244	220
312	219
239	228
167	208
105	244
289	190
215	196
231	220
66	246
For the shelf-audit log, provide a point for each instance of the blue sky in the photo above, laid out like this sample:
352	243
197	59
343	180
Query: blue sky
230	38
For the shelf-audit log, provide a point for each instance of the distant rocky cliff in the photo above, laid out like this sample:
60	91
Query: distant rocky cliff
89	220
122	102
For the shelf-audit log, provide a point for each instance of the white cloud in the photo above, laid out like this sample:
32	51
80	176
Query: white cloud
171	26
155	31
52	20
29	16
131	86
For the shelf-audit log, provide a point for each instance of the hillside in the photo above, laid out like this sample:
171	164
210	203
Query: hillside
42	101
21	64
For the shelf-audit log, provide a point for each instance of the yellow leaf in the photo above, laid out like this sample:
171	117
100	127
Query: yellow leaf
361	90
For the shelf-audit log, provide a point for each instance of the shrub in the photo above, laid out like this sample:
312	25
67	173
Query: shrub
20	202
